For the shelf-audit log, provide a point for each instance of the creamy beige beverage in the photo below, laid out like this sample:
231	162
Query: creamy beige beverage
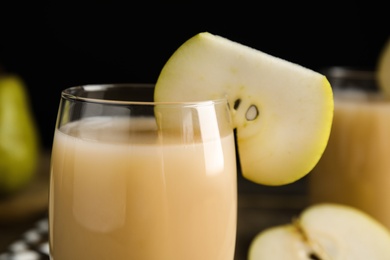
141	195
355	168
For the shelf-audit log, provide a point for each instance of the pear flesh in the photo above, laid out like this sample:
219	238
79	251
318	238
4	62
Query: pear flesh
324	231
19	145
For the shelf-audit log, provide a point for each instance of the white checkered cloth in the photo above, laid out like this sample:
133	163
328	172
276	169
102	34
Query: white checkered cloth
32	245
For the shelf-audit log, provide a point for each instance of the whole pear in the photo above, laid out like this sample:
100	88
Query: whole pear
19	144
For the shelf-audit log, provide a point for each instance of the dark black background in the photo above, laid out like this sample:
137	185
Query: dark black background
56	46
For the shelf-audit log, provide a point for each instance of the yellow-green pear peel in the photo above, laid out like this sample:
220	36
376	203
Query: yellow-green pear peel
282	111
19	140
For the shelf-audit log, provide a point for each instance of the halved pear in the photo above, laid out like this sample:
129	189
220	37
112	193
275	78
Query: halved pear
325	231
282	111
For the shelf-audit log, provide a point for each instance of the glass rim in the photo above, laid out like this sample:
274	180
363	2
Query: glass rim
70	93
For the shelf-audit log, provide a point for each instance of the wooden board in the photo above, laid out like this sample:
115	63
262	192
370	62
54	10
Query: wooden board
32	200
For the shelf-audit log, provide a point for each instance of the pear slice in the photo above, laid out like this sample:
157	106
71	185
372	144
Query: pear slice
325	231
282	111
383	69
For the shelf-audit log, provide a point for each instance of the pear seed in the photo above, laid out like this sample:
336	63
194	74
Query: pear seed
252	113
237	104
314	256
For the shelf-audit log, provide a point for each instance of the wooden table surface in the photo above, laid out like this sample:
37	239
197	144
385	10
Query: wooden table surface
259	207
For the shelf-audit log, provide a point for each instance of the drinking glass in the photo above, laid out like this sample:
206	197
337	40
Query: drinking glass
136	179
355	166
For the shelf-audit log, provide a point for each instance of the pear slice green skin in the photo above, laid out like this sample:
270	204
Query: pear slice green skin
325	231
19	141
282	111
